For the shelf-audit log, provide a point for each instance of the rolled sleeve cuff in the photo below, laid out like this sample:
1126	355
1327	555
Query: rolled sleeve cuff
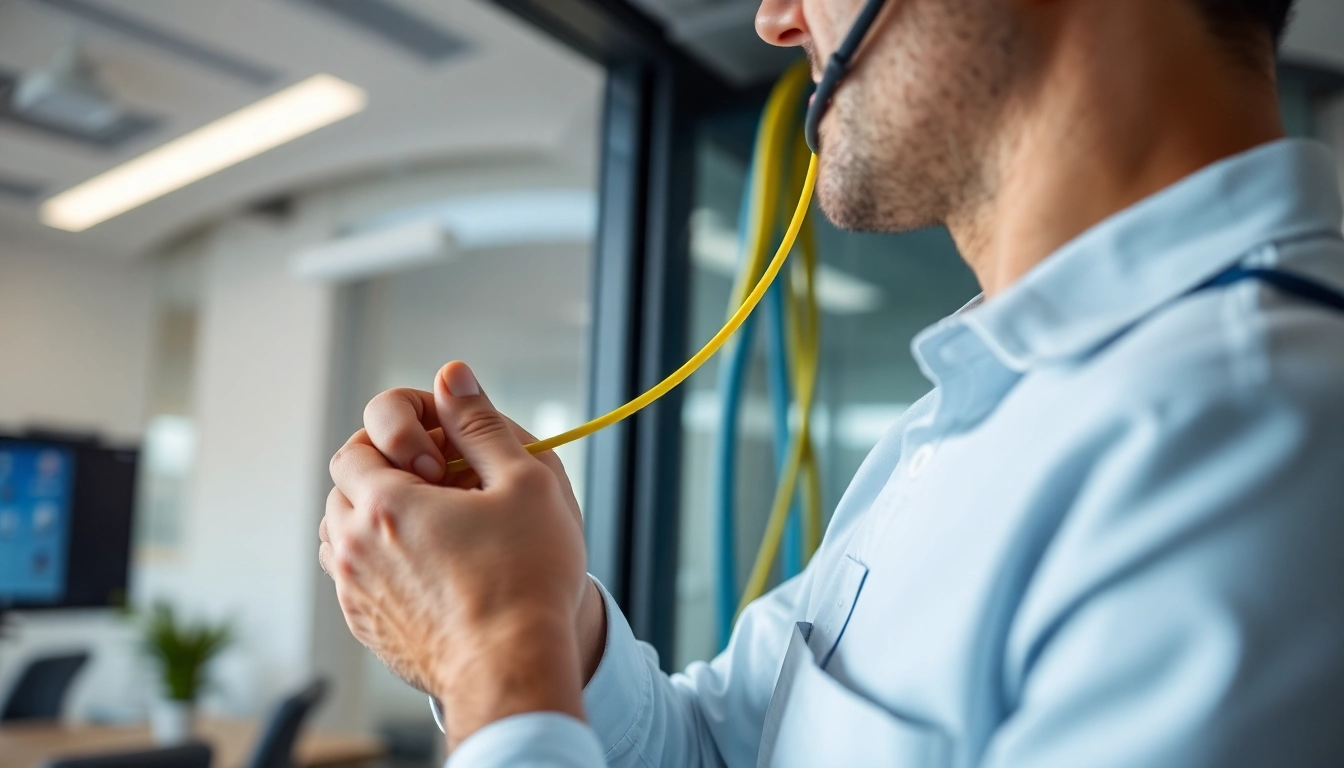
621	689
533	740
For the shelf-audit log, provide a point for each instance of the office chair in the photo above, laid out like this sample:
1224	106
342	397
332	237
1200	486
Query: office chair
182	756
275	749
40	691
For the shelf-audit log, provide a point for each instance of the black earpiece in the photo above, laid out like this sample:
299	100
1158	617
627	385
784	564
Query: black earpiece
836	69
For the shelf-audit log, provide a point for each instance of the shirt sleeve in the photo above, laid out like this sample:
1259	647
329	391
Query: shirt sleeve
638	716
710	715
533	740
1187	611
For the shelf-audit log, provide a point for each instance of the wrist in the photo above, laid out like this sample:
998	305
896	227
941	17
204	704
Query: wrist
591	628
514	665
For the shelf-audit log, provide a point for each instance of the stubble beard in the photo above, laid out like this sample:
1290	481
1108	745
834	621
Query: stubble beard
909	139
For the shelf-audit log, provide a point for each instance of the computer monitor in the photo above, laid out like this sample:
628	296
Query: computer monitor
66	510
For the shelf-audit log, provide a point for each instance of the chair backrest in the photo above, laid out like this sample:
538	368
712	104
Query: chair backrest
181	756
40	691
275	748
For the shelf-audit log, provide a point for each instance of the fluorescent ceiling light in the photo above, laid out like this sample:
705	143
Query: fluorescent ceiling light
277	119
375	253
502	219
426	233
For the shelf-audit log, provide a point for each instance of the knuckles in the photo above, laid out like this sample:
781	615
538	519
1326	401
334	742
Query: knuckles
481	424
385	416
532	480
382	505
338	459
397	444
389	401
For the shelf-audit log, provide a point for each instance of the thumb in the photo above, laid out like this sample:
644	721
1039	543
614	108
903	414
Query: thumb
470	422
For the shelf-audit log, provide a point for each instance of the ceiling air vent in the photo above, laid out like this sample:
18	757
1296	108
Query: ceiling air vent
409	31
66	94
66	98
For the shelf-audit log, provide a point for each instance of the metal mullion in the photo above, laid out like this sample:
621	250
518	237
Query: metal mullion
657	468
654	95
615	339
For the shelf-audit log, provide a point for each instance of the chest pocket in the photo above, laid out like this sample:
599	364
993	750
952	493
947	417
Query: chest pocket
841	591
814	720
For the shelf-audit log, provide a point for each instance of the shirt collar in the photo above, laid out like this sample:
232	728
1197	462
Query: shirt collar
1134	262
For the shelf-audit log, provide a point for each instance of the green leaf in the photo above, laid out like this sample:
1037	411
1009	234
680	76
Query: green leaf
182	650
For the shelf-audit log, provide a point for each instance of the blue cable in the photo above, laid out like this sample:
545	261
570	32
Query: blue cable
777	368
732	377
732	380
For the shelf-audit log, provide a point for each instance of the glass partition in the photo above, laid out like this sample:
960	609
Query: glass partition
875	293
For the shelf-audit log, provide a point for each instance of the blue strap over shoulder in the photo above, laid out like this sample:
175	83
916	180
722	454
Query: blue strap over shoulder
1296	285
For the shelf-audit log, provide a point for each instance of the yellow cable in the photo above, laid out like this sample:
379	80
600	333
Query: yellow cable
706	352
804	333
780	122
812	339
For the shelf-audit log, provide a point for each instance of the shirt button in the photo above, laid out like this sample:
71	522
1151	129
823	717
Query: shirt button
920	461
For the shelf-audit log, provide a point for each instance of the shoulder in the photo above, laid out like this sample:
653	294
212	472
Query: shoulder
1246	349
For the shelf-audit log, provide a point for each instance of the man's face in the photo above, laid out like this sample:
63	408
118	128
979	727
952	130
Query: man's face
908	136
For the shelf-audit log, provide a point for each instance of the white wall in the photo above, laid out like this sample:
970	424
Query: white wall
260	406
74	343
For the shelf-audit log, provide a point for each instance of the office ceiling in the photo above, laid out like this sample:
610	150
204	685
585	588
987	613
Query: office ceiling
178	65
445	78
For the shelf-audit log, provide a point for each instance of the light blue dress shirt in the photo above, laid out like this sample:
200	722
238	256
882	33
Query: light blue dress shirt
1113	535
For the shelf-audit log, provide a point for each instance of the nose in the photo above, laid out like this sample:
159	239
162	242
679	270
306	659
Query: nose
780	22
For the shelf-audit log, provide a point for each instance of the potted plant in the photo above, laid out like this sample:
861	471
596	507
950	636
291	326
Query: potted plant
182	652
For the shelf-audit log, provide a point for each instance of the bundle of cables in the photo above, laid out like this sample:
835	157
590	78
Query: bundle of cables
780	166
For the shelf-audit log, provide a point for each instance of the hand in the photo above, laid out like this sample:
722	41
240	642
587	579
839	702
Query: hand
403	424
469	593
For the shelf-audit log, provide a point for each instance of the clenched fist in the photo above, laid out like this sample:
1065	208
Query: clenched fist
473	590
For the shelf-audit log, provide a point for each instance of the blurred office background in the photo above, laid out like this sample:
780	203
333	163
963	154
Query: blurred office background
547	190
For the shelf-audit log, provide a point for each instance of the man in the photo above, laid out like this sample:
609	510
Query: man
1112	536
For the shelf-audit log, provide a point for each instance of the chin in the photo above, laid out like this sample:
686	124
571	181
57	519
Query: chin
864	190
854	198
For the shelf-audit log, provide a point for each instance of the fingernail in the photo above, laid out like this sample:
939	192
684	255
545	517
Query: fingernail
428	468
462	382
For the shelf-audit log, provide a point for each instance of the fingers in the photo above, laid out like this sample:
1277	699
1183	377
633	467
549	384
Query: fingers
363	475
337	507
480	433
399	422
324	558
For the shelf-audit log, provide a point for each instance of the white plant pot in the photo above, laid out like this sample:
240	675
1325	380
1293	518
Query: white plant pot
172	721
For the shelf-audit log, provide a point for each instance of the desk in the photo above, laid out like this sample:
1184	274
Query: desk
26	745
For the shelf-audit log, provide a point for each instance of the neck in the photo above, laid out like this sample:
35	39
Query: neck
1090	138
